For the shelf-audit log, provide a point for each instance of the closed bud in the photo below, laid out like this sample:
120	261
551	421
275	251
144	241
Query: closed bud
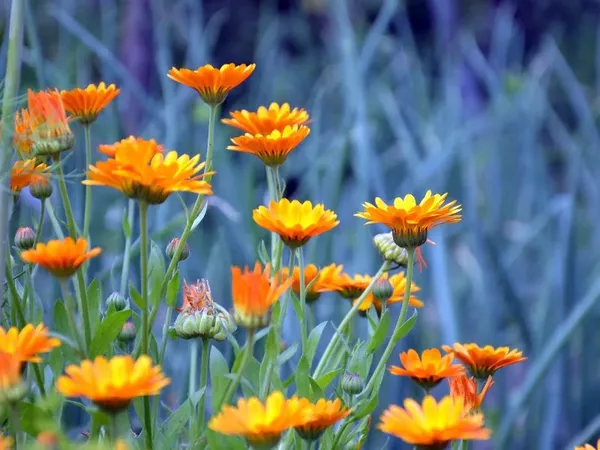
41	188
390	251
127	333
24	238
352	383
117	301
383	289
172	246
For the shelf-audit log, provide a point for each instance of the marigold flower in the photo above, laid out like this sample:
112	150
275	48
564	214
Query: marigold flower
316	280
323	414
6	442
213	84
462	386
433	425
61	257
260	424
295	222
253	293
429	369
272	148
140	171
483	362
26	172
28	343
589	446
409	221
151	145
112	384
12	388
86	104
264	121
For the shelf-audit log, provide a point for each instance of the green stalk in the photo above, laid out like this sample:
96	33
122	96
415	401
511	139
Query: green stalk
464	444
53	220
238	376
15	419
275	195
127	252
70	307
87	215
83	305
192	386
203	381
38	232
65	197
31	294
114	427
302	300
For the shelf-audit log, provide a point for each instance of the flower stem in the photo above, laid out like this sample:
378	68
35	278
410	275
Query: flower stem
192	386
87	214
83	304
70	308
275	194
238	376
203	381
303	331
114	427
65	197
464	444
38	232
127	251
15	419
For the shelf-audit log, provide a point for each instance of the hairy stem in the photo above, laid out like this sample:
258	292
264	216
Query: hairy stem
87	214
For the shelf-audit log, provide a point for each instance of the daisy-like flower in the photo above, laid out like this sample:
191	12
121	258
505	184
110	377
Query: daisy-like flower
323	414
484	361
28	171
462	386
316	280
12	388
295	222
432	425
429	369
27	344
86	104
140	171
110	150
213	84
589	446
61	257
409	221
112	384
260	424
272	148
253	293
264	121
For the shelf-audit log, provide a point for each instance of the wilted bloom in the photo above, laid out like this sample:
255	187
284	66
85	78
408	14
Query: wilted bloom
323	414
316	280
295	222
24	172
172	247
61	257
462	386
112	384
484	361
24	238
272	148
429	369
213	84
28	343
266	120
409	221
589	446
86	104
352	383
253	293
12	388
432	425
117	301
127	333
140	171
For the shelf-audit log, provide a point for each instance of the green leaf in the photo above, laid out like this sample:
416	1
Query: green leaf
272	345
313	341
173	289
136	297
316	391
94	295
156	268
326	379
297	306
287	354
99	419
107	332
359	362
263	255
406	327
380	333
217	441
35	419
125	224
365	407
177	421
302	374
218	370
61	325
201	215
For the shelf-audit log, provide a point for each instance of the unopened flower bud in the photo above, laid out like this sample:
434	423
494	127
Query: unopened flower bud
24	238
352	383
117	301
383	289
170	250
128	332
41	188
390	251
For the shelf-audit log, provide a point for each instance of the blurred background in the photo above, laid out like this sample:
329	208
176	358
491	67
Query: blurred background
495	102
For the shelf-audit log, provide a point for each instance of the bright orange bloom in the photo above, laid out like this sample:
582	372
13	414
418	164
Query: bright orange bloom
264	121
213	84
253	293
6	442
410	221
295	222
323	414
140	171
61	257
318	279
86	104
462	386
28	343
10	372
429	370
272	148
483	362
110	150
433	425
589	446
112	384
260	424
26	172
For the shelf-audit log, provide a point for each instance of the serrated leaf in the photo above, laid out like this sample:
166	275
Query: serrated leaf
173	289
126	225
94	295
136	297
302	374
380	333
201	214
325	380
218	372
313	341
107	332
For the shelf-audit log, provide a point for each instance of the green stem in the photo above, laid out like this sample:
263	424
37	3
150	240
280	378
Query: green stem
165	336
401	318
192	386
114	427
65	197
127	252
302	317
238	376
87	215
327	355
53	220
70	307
38	232
83	305
275	194
464	444
30	295
15	419
203	381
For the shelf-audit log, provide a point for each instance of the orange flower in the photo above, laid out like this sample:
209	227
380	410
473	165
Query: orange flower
323	414
10	372
62	258
319	280
410	221
28	343
483	362
110	150
265	121
112	384
141	171
272	148
253	293
461	386
433	425
6	443
26	172
196	296
211	83
22	135
295	222
86	104
589	446
429	370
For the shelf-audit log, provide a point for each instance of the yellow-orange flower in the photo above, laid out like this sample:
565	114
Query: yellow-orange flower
28	343
140	171
589	446
433	425
86	104
429	369
12	388
317	280
410	221
6	443
26	172
61	257
260	424
110	150
295	222
22	134
213	84
112	384
462	386
484	361
272	148
264	121
323	414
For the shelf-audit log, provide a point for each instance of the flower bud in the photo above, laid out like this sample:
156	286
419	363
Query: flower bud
390	251
117	301
127	333
170	250
24	238
41	188
383	289
352	383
